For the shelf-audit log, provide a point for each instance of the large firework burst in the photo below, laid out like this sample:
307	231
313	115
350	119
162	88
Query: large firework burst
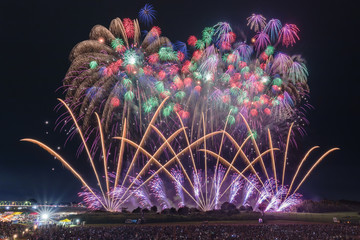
118	75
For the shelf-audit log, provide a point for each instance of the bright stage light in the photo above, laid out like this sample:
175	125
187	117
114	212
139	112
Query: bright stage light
45	216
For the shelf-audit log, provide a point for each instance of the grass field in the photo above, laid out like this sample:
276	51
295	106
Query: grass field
243	218
313	217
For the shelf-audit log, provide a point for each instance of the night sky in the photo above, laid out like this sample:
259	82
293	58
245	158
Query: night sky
37	37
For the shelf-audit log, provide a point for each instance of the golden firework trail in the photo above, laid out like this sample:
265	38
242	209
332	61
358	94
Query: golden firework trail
206	199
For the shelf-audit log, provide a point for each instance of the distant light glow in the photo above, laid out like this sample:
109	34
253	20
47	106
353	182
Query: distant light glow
45	216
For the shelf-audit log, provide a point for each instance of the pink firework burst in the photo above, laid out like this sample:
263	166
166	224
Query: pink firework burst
289	34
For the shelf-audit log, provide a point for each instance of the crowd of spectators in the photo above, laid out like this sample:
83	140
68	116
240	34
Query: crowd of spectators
9	230
204	231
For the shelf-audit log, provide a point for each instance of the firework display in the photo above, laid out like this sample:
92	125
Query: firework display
235	187
178	183
187	124
120	74
249	189
140	193
193	182
158	190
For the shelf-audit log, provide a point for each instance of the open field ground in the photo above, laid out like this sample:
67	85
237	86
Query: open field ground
243	218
